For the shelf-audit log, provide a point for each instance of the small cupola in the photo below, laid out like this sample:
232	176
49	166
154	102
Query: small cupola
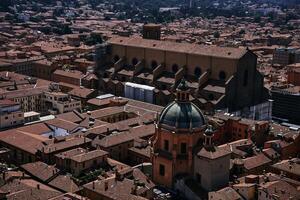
208	135
182	92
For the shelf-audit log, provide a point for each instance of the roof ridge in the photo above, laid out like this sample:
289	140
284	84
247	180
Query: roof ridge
78	114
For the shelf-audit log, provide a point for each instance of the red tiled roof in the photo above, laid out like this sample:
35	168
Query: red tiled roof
70	196
60	123
22	189
256	161
65	183
81	92
71	117
68	143
127	136
16	138
105	112
121	190
224	52
36	129
7	103
291	166
85	156
40	170
213	153
70	153
74	73
281	189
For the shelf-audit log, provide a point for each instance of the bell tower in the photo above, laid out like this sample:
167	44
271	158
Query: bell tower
151	31
208	135
211	165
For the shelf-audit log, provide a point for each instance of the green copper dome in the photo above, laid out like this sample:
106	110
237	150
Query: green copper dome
182	115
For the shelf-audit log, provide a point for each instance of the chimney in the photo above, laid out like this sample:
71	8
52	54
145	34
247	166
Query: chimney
251	179
38	186
119	176
93	185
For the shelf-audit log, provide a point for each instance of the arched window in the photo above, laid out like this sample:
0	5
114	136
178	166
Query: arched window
245	82
134	61
197	72
153	64
116	58
222	75
175	68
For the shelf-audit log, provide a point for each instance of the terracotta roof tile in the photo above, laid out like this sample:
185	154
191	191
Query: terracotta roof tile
27	189
281	189
69	154
291	166
64	183
40	170
70	196
68	143
60	123
127	136
74	73
7	103
121	190
85	156
226	193
224	52
213	153
256	161
71	117
16	138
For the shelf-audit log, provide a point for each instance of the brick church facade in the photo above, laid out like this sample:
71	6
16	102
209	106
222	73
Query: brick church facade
218	77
